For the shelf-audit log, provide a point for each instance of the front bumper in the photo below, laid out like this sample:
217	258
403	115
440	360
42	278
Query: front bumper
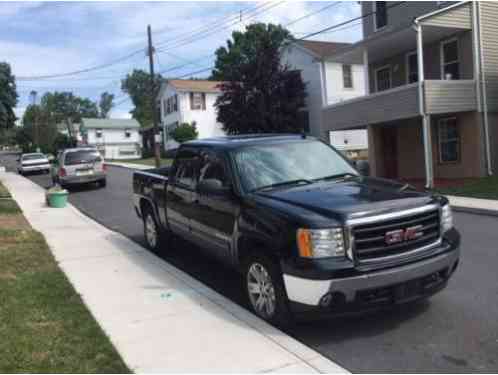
76	180
383	285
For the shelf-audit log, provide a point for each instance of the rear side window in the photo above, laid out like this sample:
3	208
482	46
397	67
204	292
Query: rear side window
82	157
213	167
184	170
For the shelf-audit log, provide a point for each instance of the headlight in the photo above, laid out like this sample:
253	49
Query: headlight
321	243
446	218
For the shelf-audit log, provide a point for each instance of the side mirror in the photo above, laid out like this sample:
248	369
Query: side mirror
363	167
212	186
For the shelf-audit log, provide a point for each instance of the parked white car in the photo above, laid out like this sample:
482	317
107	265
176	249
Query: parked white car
33	162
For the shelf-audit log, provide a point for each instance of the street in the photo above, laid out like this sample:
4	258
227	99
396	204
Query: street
455	331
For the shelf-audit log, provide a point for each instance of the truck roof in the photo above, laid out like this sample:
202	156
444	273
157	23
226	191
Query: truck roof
234	141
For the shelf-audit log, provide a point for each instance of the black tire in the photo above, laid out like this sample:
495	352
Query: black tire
280	315
151	226
103	183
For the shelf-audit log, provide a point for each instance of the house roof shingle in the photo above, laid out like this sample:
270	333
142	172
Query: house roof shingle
109	123
322	49
196	85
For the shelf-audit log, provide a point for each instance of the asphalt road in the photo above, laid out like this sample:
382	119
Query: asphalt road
454	331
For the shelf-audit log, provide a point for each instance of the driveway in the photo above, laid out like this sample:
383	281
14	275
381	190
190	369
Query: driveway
455	331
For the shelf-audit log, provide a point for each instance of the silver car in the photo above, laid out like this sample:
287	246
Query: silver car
76	166
33	162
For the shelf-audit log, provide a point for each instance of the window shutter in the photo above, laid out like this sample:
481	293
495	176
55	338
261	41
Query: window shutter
191	100
203	101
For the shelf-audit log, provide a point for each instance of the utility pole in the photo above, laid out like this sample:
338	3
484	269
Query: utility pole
157	152
36	136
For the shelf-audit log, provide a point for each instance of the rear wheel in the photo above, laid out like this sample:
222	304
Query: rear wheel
152	232
266	291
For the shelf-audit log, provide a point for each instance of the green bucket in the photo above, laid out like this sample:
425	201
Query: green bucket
57	199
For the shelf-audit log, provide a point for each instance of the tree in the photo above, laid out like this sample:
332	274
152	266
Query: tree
8	97
64	107
137	85
259	94
184	132
105	104
39	129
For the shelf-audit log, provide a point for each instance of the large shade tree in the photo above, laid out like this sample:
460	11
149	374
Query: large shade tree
138	85
8	97
259	94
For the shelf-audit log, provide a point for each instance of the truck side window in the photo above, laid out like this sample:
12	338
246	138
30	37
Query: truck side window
184	172
212	167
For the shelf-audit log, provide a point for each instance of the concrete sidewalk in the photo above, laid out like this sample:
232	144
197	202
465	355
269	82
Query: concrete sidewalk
159	318
474	205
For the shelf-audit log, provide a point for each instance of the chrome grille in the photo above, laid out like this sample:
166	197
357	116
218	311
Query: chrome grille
370	242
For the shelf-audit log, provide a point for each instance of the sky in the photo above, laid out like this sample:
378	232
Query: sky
47	38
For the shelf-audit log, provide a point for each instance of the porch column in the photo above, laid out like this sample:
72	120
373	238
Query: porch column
426	120
366	71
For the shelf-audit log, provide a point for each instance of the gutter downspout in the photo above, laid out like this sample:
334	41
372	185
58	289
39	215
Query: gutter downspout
481	82
426	124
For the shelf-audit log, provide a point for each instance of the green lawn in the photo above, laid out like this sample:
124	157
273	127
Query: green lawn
486	188
44	325
8	207
152	162
4	193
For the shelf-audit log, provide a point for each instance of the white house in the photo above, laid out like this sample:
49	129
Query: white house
326	83
115	138
189	101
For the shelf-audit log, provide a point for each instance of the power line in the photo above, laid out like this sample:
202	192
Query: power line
335	3
97	67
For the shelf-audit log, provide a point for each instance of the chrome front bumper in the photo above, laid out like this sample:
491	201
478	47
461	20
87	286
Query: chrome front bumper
310	292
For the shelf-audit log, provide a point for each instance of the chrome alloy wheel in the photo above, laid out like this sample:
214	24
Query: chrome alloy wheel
261	290
151	231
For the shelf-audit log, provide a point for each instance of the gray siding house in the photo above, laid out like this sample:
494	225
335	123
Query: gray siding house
432	81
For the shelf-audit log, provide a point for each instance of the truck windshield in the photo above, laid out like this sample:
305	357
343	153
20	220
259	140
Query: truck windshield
270	165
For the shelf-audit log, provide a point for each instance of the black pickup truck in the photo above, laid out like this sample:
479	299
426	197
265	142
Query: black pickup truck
305	229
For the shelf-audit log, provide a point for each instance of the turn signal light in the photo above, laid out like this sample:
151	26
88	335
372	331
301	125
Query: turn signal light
62	172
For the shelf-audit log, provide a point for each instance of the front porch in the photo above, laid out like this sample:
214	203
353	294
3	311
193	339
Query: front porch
396	149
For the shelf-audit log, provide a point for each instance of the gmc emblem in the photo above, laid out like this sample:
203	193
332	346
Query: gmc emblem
401	235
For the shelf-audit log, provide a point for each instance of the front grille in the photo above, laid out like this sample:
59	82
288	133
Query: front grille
370	239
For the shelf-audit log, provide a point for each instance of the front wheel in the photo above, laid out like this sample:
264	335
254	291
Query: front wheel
266	291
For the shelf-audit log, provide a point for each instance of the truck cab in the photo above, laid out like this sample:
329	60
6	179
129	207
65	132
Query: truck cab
304	228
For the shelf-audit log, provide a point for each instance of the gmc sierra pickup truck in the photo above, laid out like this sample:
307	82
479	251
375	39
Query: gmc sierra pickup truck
304	227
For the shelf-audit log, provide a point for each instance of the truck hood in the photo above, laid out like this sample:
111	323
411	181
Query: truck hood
352	198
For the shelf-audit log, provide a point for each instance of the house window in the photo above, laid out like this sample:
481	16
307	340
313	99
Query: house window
175	103
450	66
380	9
98	133
411	67
347	77
449	140
127	133
383	78
197	100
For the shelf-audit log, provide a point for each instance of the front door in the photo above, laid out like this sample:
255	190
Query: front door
390	152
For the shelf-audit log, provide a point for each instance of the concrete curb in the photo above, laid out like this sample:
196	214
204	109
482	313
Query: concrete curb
488	207
300	358
475	211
